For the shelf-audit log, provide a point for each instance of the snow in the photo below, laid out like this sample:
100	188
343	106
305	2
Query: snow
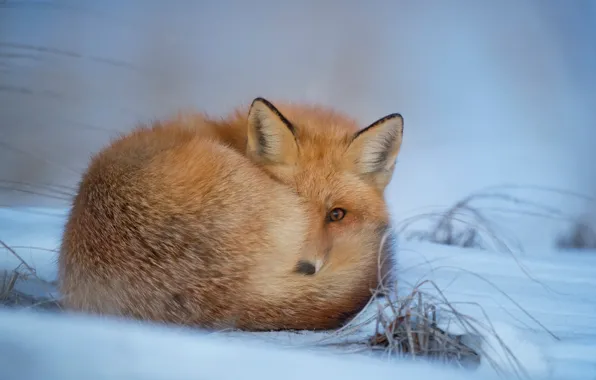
56	348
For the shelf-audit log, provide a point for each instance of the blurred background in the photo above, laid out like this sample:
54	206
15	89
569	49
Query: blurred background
492	92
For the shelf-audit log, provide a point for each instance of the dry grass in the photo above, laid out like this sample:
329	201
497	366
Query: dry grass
409	327
417	327
45	190
468	224
8	279
581	235
10	296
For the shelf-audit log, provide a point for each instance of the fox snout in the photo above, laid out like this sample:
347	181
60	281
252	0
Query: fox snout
319	245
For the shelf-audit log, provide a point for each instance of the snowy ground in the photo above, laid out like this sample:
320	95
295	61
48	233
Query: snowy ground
51	348
558	289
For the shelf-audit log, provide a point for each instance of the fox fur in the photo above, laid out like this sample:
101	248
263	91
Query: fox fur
270	218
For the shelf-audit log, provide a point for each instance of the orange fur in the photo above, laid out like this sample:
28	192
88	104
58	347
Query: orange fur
186	221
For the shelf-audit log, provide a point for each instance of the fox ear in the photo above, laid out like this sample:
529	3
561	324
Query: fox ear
271	137
373	150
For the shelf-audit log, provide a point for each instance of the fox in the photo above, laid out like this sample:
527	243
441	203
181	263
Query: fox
270	218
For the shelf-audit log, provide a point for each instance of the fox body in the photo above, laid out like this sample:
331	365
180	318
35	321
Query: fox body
271	218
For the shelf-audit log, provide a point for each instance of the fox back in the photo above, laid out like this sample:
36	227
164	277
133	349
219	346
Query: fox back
177	222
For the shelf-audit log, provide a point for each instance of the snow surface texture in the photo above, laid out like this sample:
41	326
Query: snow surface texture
52	348
556	288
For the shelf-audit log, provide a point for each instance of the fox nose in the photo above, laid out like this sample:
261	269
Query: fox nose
305	267
310	267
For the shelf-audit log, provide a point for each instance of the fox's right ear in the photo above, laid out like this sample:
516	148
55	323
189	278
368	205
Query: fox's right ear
271	137
373	151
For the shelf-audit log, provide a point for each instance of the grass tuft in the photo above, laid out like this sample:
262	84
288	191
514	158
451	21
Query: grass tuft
580	235
409	327
8	279
467	223
10	296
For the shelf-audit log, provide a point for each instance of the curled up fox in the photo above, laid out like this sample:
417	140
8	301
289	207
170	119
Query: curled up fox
271	218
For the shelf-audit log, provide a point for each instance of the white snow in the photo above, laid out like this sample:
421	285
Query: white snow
49	347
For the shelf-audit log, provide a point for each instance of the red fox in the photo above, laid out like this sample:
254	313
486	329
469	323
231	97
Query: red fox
269	219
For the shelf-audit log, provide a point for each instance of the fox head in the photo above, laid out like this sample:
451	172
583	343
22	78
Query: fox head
341	170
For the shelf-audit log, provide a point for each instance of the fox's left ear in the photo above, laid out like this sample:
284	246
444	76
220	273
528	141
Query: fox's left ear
271	137
373	150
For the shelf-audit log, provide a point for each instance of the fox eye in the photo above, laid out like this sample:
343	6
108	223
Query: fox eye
304	267
336	214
